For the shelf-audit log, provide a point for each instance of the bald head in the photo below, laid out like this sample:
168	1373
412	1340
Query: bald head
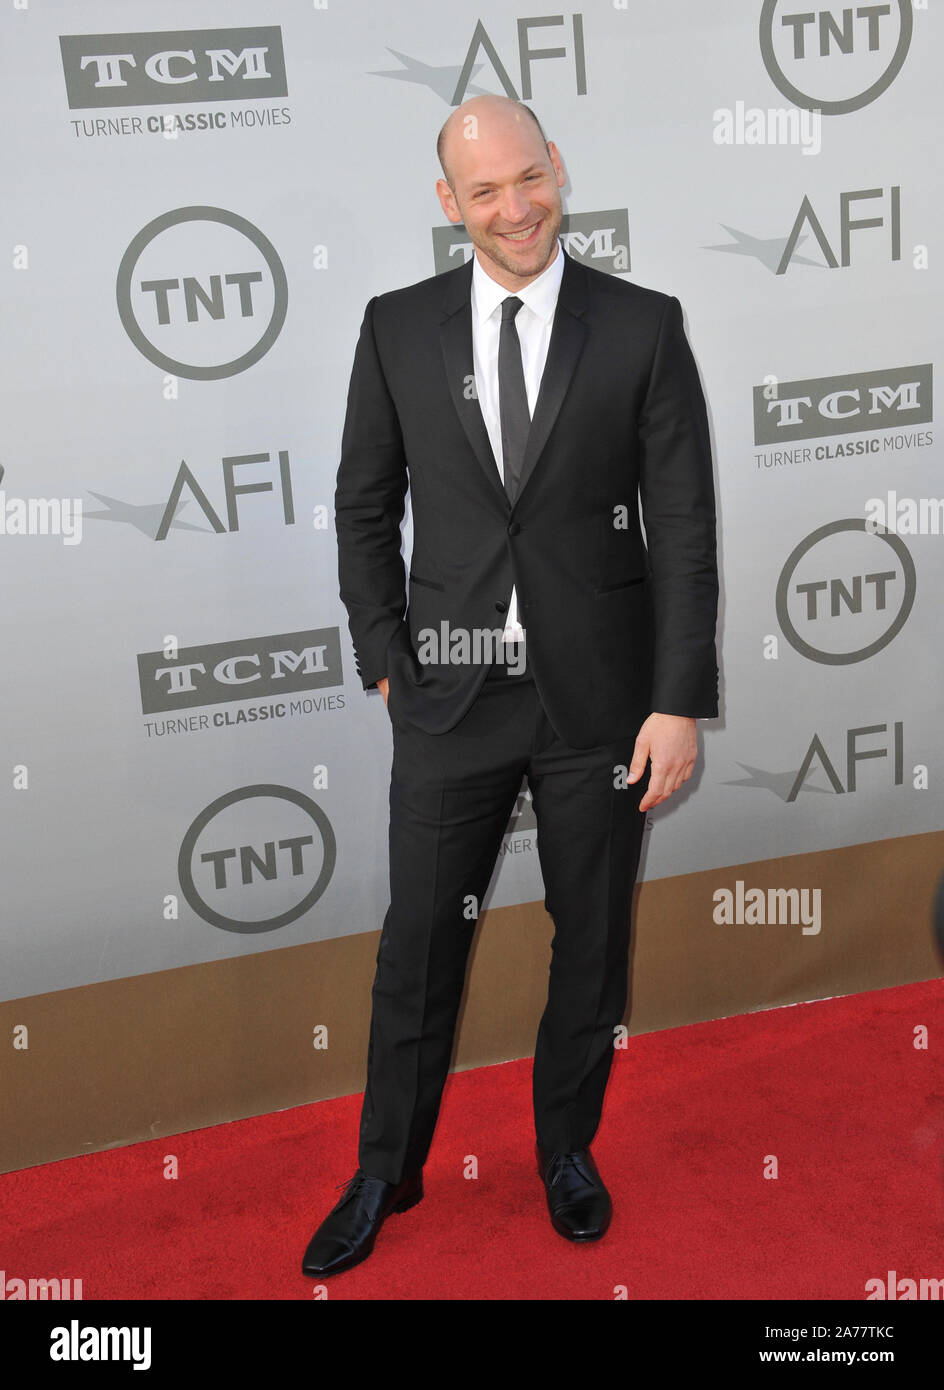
463	124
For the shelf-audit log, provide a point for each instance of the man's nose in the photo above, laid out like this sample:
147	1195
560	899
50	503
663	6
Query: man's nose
515	206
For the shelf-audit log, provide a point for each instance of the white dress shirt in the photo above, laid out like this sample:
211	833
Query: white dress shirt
533	321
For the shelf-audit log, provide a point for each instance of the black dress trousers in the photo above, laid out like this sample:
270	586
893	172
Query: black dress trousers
451	796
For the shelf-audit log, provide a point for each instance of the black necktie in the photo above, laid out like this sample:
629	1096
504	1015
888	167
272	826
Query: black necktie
512	398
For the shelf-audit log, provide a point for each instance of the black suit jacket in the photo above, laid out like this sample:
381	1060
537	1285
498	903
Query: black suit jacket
617	625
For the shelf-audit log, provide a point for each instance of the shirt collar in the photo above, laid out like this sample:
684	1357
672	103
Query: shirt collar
540	296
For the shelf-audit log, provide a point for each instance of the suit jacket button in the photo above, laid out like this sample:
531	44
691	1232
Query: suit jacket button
514	528
501	607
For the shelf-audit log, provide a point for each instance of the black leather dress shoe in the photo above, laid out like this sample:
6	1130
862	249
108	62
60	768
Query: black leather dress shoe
347	1234
579	1203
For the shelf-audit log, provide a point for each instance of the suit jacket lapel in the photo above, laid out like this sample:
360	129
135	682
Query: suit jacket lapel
456	338
568	334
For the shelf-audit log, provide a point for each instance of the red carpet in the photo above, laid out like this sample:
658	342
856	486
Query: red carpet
836	1091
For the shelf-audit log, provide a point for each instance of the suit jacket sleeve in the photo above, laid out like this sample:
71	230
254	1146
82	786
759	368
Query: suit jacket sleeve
678	506
368	507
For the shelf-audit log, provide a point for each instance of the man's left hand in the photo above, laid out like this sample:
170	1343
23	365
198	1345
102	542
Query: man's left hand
669	742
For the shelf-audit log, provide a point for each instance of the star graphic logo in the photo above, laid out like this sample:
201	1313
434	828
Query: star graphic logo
780	783
144	517
441	80
769	251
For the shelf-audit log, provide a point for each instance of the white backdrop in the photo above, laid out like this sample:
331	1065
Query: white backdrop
189	768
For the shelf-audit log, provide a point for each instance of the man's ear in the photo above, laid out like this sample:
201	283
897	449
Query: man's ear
447	201
557	163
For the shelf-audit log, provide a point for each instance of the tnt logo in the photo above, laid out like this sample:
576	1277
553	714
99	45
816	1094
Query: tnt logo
834	59
845	592
257	858
202	293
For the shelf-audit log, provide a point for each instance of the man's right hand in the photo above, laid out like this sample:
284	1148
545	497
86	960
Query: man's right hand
384	687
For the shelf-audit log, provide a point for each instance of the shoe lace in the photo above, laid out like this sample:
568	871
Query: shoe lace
353	1186
557	1164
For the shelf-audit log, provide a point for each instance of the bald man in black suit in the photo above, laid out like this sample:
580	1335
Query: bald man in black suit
530	402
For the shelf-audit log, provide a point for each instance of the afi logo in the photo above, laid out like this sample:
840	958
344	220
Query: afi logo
806	218
776	253
887	745
568	48
526	56
232	490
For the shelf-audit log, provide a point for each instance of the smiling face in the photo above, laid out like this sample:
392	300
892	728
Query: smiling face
505	187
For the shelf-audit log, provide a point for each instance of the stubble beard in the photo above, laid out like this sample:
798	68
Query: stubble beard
492	247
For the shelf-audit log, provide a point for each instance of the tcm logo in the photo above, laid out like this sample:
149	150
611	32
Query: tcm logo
257	859
834	59
820	406
598	239
172	66
845	592
254	667
202	293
